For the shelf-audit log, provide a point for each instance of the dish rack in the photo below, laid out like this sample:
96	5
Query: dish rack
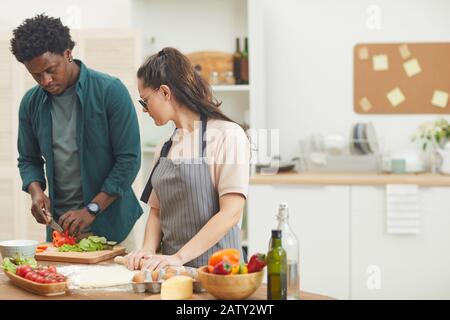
351	155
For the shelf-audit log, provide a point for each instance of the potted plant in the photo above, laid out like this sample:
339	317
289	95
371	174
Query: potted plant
435	135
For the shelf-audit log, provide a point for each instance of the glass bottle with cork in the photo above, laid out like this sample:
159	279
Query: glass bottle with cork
244	79
276	269
237	56
290	244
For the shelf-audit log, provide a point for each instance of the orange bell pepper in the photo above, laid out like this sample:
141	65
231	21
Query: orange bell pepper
230	255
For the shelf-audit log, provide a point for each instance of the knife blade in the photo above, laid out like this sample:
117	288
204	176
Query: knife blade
53	224
56	226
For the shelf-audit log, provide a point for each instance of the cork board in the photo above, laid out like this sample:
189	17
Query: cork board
401	78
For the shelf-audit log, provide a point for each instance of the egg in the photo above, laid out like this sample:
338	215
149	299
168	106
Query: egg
139	277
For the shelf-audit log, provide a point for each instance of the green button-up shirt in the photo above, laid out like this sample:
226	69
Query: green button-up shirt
108	141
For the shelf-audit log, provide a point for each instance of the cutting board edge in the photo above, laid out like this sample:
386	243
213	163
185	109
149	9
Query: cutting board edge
115	252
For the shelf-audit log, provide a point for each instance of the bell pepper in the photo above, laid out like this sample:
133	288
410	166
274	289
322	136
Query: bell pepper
223	267
61	238
210	269
257	262
243	269
235	270
231	255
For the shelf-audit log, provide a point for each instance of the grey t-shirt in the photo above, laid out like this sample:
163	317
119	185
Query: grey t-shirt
68	193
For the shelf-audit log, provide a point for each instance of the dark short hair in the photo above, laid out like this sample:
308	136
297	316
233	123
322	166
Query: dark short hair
38	35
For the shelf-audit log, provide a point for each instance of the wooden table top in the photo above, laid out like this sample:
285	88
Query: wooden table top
8	291
330	178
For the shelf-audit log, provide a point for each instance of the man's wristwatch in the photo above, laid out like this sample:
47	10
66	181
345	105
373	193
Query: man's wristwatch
93	208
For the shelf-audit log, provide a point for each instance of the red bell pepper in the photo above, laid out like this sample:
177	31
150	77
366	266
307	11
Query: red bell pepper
257	262
223	267
61	238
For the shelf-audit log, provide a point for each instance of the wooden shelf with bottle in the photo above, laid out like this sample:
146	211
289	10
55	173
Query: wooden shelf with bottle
230	88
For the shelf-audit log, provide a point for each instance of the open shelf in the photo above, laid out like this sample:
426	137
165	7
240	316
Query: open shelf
231	88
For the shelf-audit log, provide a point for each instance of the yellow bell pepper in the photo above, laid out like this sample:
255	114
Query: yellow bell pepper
235	270
243	269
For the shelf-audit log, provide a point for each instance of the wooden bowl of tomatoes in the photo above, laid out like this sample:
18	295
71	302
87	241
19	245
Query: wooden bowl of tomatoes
42	280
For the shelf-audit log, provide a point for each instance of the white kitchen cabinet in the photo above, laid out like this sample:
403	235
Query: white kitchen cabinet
399	266
319	215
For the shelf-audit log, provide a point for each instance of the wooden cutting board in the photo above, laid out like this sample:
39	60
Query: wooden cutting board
79	257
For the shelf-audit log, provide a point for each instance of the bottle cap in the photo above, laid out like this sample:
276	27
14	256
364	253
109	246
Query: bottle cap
283	205
283	211
276	234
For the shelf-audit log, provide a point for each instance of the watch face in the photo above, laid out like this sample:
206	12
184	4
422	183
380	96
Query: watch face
93	207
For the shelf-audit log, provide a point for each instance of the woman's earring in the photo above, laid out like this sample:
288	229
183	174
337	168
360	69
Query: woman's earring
70	60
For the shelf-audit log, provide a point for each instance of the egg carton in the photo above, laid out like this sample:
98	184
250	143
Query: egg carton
153	280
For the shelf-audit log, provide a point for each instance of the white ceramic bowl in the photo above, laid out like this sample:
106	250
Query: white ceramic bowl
24	248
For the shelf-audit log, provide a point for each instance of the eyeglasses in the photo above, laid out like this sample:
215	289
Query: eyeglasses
143	103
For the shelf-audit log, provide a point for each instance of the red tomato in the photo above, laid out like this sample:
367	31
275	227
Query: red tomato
25	270
43	273
40	279
60	280
19	271
29	275
50	280
34	277
52	269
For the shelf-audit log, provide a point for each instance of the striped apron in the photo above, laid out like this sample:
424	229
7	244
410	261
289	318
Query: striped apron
188	200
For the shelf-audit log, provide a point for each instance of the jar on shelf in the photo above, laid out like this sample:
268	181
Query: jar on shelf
214	78
229	78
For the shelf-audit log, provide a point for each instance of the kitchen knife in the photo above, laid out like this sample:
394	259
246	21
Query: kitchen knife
54	225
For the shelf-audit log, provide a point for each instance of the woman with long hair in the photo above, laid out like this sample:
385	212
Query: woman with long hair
199	182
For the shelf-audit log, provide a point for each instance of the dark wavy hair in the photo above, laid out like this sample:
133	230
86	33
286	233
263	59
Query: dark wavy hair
38	35
170	67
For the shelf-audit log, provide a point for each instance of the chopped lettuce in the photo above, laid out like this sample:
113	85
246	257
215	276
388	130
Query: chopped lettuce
92	243
10	264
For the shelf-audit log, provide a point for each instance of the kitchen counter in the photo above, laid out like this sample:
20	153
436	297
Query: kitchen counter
309	178
9	291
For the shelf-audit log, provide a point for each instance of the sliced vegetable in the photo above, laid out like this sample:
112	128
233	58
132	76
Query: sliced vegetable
8	265
92	243
62	238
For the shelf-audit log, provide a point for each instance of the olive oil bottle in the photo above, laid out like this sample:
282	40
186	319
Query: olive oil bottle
276	269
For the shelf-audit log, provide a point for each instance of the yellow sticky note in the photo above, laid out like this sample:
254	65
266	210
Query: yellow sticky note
395	96
412	67
380	62
365	104
440	99
404	51
363	53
